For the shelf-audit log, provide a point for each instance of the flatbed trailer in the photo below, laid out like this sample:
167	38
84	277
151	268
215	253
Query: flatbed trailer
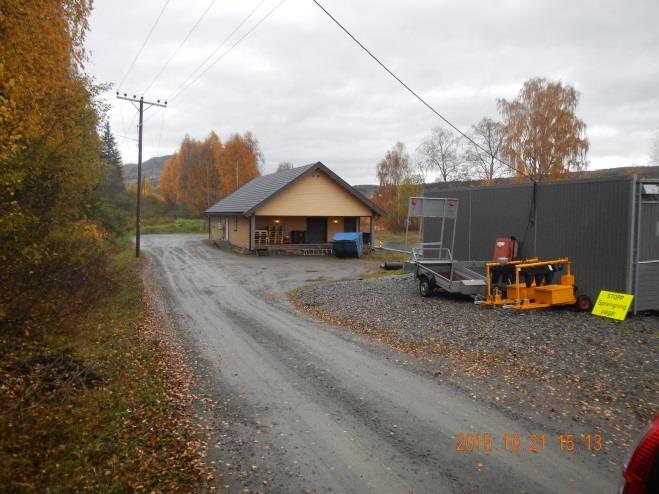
433	263
436	270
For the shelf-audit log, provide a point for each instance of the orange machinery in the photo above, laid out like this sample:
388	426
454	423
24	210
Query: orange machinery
531	286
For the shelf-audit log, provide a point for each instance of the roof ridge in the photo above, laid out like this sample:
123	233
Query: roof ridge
248	197
258	190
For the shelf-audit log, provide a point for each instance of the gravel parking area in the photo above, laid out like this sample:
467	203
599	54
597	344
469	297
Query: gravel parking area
561	366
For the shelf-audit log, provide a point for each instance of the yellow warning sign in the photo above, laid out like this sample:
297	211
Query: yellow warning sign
613	305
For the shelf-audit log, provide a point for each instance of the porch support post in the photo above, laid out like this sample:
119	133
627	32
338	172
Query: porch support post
372	231
252	232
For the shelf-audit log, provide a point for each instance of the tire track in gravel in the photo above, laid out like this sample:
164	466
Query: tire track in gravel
339	415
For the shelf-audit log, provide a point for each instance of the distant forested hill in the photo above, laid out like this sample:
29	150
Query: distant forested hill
151	169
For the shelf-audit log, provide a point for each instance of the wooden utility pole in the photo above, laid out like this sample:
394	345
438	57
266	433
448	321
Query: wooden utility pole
141	109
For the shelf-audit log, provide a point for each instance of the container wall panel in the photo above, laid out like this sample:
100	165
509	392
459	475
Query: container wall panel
647	297
649	244
500	212
647	293
587	221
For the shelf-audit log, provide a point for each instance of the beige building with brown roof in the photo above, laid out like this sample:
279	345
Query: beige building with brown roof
292	209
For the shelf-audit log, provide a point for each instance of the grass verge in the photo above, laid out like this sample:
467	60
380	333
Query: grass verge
180	225
386	256
398	237
381	273
99	404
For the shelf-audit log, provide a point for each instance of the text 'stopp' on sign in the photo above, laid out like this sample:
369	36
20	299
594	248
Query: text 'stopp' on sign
613	305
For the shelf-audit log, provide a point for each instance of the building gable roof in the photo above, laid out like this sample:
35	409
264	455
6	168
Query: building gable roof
250	196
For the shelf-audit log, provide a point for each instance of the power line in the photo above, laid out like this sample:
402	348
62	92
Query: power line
182	87
250	31
414	93
217	48
128	138
224	41
187	36
146	40
123	120
162	124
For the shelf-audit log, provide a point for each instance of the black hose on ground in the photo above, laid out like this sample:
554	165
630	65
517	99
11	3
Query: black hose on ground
391	266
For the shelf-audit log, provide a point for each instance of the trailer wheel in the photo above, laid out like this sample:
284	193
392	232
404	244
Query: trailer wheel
425	287
584	304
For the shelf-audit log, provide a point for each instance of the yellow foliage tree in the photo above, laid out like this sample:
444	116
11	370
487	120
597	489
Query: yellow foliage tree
392	172
50	252
204	175
202	172
542	135
169	180
239	162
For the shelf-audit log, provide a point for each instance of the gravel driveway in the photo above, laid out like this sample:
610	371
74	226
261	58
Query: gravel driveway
303	406
566	366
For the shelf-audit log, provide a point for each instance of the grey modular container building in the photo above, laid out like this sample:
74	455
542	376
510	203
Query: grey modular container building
608	227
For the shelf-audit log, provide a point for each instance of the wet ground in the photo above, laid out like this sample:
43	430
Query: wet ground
306	406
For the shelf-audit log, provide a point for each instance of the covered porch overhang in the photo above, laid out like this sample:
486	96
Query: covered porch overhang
300	233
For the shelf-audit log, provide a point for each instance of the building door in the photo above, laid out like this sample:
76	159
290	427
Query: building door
349	224
316	230
647	251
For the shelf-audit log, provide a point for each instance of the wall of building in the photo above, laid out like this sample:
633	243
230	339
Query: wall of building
217	227
333	228
291	223
587	221
288	223
239	231
314	195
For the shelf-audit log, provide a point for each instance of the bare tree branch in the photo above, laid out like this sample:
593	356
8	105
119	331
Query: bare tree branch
485	162
439	152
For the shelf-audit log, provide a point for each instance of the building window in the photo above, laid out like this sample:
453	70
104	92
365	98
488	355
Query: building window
235	223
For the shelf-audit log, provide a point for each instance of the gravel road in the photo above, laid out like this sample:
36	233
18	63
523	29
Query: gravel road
307	407
565	365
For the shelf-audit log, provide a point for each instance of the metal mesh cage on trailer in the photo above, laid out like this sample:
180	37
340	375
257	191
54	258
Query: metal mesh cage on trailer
432	207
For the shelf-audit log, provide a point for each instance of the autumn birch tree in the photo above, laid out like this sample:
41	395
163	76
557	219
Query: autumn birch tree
391	172
203	175
240	162
202	172
542	136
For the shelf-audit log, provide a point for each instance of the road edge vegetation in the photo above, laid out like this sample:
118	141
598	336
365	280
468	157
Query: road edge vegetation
179	225
103	402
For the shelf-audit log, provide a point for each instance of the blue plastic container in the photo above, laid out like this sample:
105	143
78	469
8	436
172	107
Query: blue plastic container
348	244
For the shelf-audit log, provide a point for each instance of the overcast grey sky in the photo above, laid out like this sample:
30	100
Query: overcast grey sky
309	94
